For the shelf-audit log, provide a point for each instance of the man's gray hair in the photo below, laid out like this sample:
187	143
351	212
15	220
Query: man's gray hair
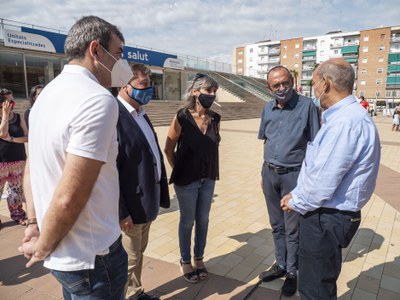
86	30
341	74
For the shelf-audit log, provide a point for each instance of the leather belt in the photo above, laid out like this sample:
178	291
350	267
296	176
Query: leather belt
281	170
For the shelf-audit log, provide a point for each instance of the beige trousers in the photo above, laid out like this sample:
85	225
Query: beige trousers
135	243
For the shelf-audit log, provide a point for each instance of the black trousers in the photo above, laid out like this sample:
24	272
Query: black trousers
323	234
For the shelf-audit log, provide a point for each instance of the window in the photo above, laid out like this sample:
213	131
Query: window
336	51
381	48
365	49
284	65
388	94
284	56
363	71
383	36
366	38
240	61
250	59
361	93
240	70
380	59
284	47
362	82
296	55
322	53
240	52
364	60
322	43
378	81
379	70
296	65
251	50
377	94
296	45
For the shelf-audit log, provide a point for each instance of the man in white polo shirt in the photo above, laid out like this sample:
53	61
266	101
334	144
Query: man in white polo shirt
71	180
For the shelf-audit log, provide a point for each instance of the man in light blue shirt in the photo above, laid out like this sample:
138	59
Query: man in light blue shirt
337	178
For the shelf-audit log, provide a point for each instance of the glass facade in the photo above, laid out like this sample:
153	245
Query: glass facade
19	70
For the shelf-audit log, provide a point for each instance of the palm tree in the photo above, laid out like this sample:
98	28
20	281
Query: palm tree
309	83
295	74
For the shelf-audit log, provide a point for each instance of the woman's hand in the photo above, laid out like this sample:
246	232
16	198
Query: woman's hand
6	109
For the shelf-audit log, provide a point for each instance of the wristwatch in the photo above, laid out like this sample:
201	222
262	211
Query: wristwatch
11	139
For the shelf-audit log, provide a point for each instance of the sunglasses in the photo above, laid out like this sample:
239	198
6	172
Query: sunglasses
198	76
4	91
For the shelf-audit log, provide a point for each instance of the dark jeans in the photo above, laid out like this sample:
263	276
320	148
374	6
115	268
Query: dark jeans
285	226
323	234
106	281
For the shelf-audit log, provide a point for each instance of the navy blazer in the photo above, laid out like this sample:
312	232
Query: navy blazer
137	168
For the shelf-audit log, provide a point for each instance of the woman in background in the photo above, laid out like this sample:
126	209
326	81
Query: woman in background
13	135
195	132
34	93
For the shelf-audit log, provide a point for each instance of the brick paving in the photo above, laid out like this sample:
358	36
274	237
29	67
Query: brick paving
240	243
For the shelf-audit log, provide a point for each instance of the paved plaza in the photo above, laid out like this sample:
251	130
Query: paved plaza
240	243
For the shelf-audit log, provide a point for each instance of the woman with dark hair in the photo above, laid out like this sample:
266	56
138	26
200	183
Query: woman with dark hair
34	93
195	132
13	135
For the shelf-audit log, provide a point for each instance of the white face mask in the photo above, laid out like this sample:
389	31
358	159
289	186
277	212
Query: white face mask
121	72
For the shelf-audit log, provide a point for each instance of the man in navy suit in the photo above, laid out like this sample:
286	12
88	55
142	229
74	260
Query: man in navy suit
142	176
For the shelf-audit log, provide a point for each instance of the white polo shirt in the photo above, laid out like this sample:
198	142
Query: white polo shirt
75	114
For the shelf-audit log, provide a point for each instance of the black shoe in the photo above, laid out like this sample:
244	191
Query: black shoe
144	296
273	273
289	287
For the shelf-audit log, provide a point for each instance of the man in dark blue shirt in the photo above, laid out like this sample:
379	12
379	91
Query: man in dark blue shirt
288	123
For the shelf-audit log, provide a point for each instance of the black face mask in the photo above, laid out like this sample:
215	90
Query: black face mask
206	100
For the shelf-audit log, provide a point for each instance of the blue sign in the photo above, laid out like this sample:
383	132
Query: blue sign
146	57
57	39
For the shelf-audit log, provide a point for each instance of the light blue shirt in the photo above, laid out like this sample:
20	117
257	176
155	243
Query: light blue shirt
341	164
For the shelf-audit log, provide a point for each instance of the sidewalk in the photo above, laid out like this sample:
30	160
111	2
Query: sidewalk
240	243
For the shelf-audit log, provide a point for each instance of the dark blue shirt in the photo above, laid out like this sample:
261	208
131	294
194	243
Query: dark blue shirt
288	130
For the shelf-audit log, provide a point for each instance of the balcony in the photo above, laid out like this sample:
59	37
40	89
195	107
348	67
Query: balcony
309	47
393	69
308	67
336	45
353	43
274	51
309	58
395	39
394	50
350	50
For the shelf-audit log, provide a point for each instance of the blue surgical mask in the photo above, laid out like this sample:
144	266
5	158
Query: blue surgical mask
141	96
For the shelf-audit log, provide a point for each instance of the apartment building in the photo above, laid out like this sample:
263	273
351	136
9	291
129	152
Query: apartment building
374	55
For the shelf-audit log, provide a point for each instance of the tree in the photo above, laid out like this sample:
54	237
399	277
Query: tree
295	74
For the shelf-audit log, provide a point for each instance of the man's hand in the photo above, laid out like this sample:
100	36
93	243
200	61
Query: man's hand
285	203
126	224
31	250
31	231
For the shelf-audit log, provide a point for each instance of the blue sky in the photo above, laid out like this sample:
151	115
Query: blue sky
209	28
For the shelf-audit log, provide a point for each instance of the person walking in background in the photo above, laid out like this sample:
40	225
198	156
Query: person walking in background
71	179
142	177
396	121
337	179
288	123
364	103
13	135
195	132
34	93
